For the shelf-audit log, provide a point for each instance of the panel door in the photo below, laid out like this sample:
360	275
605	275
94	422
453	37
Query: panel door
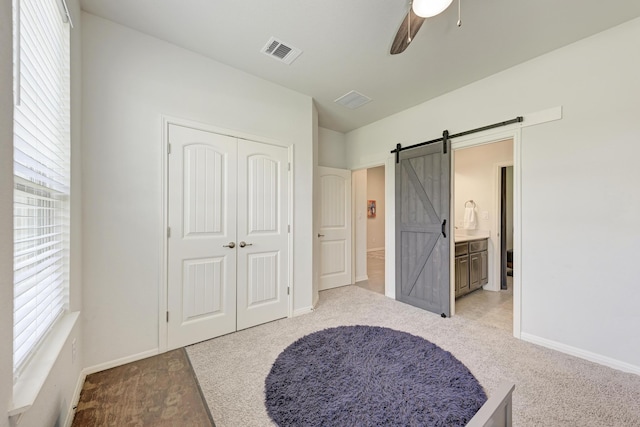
201	267
262	249
475	270
484	263
462	275
335	227
422	207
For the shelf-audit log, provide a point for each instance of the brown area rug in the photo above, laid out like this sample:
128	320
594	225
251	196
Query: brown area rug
157	391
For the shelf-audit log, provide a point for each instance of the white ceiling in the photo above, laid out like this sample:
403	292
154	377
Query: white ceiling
346	43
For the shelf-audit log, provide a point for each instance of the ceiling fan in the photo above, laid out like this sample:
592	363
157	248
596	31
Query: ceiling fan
419	10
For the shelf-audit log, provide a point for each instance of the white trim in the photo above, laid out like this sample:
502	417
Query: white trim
119	362
302	311
32	379
390	226
163	303
291	189
517	235
71	412
360	278
167	120
353	228
233	133
483	138
582	354
544	116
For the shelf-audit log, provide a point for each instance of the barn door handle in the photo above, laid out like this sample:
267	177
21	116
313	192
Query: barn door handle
320	235
230	245
243	244
444	223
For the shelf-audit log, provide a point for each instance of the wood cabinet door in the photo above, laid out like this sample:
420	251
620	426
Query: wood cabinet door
462	275
475	270
484	275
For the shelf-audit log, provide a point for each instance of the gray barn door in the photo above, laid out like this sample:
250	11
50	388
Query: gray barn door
422	206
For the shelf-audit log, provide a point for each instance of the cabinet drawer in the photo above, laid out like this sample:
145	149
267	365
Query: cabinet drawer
478	245
462	248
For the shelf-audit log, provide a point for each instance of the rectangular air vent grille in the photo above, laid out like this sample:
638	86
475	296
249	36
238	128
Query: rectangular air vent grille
281	51
353	100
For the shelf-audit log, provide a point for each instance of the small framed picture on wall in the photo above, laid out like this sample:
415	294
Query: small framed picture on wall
371	208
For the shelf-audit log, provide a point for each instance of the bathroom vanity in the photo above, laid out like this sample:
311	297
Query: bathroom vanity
471	263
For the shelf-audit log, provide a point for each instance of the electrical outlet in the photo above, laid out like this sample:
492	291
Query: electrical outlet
74	351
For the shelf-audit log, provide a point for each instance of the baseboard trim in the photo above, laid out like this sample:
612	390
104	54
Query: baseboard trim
302	311
583	354
118	362
75	399
361	278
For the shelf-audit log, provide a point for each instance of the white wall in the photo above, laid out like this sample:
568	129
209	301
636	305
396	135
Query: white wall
332	148
475	178
375	191
6	211
579	176
129	81
359	209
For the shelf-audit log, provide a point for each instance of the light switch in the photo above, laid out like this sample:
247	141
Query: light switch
485	214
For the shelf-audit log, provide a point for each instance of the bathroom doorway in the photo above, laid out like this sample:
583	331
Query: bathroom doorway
482	214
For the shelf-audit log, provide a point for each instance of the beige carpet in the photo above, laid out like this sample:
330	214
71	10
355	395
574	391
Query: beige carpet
552	389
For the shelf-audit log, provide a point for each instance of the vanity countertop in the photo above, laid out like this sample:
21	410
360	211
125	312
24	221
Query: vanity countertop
459	238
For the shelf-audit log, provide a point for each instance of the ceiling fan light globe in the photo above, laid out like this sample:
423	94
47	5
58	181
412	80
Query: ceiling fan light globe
429	8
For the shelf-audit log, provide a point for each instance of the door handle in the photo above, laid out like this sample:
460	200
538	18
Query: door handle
230	245
243	244
320	235
444	223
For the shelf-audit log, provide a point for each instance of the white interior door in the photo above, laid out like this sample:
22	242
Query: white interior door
202	220
335	227
262	233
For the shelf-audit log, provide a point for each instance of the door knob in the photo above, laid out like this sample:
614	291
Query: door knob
230	245
243	244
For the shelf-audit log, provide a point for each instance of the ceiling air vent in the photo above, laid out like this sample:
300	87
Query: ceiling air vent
280	51
353	100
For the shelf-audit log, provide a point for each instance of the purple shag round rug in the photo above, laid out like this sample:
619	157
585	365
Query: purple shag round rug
370	376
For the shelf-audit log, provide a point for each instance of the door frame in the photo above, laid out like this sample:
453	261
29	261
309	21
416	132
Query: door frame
489	138
498	223
167	120
389	222
510	131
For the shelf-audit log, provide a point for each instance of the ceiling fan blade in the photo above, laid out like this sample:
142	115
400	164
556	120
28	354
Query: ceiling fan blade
402	39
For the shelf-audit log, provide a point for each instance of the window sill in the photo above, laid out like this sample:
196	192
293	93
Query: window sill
29	384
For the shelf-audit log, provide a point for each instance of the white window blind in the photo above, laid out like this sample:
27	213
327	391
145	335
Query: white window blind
41	173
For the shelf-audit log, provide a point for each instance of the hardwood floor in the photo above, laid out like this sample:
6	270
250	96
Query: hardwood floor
158	391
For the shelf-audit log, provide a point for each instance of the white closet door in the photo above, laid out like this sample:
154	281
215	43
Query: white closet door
262	233
335	227
202	219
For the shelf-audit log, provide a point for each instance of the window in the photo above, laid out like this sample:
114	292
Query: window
41	172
